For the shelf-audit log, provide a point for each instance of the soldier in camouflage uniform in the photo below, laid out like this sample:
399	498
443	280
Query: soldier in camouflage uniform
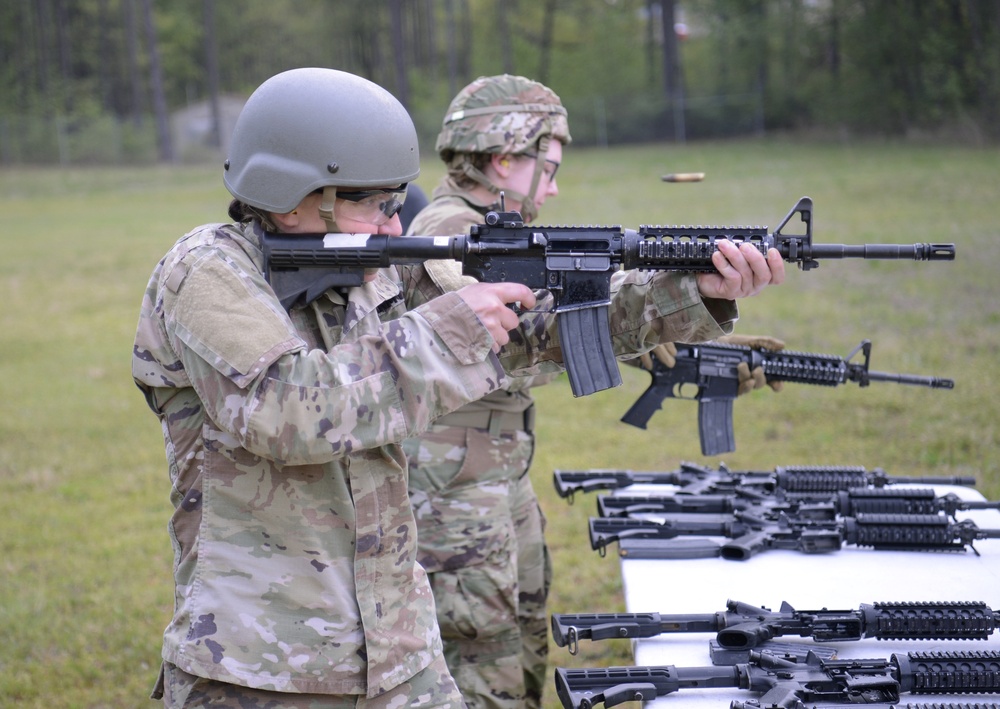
295	570
480	530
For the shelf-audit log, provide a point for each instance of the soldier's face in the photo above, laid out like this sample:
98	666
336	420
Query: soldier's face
362	215
350	216
523	170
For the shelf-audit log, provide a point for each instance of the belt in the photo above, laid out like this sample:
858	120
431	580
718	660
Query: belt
496	422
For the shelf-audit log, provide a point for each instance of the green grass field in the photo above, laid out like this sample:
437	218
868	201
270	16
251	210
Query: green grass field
85	586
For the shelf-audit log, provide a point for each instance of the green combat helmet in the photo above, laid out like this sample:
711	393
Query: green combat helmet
506	115
308	129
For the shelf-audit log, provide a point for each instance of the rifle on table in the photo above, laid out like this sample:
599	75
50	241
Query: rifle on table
574	263
697	479
817	506
711	369
754	704
785	684
748	535
743	626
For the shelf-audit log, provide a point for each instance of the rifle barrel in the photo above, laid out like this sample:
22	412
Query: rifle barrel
916	252
915	380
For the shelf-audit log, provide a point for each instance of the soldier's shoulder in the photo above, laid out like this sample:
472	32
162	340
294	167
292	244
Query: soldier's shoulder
445	216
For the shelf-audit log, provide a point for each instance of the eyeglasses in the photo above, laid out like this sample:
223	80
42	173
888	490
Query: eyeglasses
375	207
550	168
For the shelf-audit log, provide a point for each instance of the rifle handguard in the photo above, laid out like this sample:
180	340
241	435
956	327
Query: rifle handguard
948	672
908	532
970	620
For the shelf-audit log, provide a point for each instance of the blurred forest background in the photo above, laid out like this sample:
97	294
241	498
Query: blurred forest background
142	81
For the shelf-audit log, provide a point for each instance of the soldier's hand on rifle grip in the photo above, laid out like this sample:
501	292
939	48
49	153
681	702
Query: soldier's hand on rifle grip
755	379
741	271
666	353
489	301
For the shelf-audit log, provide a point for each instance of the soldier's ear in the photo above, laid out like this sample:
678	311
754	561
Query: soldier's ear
501	164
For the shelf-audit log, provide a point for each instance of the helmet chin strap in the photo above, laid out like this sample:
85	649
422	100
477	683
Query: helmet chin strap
528	208
326	209
326	206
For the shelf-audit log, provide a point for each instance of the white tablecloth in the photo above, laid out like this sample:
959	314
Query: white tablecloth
840	580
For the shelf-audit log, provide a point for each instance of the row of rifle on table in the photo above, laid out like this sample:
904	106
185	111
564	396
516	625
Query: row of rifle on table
806	509
575	264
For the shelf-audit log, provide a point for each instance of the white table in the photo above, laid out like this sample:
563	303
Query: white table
840	580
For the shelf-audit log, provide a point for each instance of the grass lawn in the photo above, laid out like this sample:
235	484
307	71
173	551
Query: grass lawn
85	586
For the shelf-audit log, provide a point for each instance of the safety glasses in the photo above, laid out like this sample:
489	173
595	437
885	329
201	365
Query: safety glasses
550	168
375	207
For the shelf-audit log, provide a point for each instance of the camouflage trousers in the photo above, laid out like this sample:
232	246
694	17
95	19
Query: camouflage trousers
431	688
480	537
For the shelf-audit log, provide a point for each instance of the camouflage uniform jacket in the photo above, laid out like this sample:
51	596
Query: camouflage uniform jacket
293	536
452	212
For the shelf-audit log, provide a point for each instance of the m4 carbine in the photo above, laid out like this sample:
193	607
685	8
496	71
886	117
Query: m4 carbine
710	370
692	478
818	506
747	535
784	684
573	263
754	704
743	626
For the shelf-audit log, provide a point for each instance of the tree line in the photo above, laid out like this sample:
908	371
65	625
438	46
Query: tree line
629	70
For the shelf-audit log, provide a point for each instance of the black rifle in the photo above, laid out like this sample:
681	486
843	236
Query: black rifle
574	263
754	704
698	479
748	535
785	684
818	506
710	371
742	626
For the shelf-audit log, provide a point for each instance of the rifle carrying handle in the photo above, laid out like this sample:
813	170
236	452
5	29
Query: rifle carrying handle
586	347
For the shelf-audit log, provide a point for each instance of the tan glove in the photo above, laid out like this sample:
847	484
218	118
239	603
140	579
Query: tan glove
666	353
757	342
755	379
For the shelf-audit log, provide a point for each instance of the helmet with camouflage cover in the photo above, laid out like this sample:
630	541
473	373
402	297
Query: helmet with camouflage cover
312	128
503	114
